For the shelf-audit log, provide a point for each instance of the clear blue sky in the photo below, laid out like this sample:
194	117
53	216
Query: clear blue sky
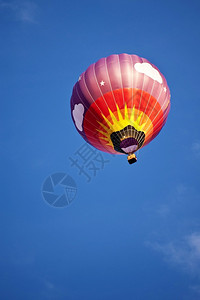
133	232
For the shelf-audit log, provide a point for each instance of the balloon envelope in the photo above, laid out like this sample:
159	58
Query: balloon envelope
120	103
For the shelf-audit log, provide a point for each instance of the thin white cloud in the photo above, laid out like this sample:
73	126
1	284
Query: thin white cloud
195	288
24	11
49	285
184	254
50	290
196	149
163	210
181	189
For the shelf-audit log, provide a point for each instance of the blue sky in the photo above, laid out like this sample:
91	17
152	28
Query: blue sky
132	232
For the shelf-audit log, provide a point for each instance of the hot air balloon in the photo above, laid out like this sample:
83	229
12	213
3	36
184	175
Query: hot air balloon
120	104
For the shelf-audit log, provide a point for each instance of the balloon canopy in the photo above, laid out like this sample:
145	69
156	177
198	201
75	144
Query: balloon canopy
120	103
